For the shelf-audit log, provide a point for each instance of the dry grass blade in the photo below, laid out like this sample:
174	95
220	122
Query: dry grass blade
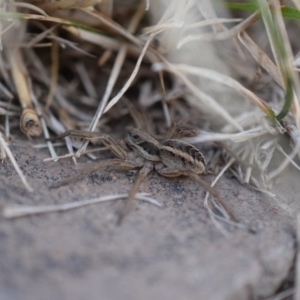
114	26
205	99
288	159
54	72
30	6
113	77
40	36
234	137
29	123
131	78
213	192
16	211
49	144
3	31
105	42
96	38
223	35
35	17
180	24
222	79
279	148
9	95
285	163
71	154
161	27
261	57
164	99
65	42
86	81
70	4
211	22
14	163
42	120
212	215
57	127
110	85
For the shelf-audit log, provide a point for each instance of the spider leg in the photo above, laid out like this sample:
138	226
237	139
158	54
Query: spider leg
89	135
114	147
170	172
147	168
178	131
118	163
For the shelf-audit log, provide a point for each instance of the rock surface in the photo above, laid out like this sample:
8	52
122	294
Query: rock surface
173	252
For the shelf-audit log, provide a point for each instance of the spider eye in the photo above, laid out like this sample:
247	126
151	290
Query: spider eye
134	135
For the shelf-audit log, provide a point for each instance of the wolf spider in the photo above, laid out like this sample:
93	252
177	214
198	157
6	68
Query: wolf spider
170	158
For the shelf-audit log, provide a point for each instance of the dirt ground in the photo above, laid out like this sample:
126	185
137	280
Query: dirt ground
173	252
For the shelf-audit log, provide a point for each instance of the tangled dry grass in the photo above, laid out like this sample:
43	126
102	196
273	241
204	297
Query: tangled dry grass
71	63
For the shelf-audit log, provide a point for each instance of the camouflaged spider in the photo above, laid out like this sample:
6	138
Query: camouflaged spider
170	158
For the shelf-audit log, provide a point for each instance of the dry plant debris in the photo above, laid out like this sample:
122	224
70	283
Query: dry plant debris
70	64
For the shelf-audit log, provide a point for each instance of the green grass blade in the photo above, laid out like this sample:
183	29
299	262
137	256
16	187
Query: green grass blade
241	6
290	12
288	99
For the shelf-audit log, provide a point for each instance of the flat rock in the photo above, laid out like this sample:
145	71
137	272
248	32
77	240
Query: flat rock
173	252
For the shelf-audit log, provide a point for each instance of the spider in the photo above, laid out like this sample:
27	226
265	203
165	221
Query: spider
140	150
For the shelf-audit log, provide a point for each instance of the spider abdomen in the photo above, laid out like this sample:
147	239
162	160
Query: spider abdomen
181	155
